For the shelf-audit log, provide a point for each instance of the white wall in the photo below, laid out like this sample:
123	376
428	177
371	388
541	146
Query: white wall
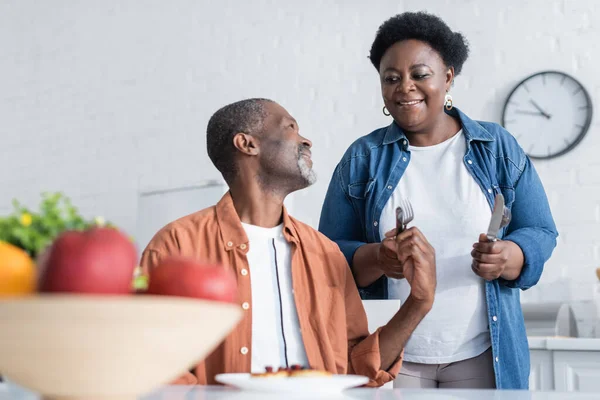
108	98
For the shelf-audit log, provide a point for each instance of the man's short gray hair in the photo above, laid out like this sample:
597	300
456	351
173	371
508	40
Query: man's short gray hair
245	116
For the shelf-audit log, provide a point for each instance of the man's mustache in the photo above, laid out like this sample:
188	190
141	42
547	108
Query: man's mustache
303	149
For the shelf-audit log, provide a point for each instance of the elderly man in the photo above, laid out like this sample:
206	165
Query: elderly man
300	301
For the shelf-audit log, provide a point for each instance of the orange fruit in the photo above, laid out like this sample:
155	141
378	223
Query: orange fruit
17	271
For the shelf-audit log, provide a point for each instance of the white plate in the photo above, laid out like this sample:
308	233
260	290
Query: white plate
303	385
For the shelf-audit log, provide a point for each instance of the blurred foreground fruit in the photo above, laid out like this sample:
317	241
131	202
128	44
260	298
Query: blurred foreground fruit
178	276
17	271
98	260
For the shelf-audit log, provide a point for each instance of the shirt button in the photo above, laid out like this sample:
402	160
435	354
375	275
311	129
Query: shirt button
229	244
403	141
390	187
244	271
494	318
245	305
375	223
496	359
470	162
489	190
244	350
243	246
404	159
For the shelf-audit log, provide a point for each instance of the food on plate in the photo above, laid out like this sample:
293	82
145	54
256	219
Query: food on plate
269	373
179	276
295	371
308	372
95	261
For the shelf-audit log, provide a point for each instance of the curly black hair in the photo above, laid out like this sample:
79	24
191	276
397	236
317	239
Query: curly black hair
452	46
245	116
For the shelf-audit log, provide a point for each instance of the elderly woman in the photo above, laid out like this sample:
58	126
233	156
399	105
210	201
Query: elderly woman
451	168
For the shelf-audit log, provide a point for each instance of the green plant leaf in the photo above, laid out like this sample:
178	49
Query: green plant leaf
56	215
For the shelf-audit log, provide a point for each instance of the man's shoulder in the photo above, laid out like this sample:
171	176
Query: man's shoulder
309	234
322	256
188	228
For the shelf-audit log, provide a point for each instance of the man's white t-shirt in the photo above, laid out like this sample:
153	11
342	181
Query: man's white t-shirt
276	336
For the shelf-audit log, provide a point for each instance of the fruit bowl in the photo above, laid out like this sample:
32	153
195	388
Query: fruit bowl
106	347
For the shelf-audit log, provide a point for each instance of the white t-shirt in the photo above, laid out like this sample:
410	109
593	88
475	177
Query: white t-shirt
451	211
276	336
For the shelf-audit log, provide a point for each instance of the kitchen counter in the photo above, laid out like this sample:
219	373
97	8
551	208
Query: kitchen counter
222	393
563	343
564	364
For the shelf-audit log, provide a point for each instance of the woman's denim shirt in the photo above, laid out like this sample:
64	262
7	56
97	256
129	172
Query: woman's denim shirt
369	172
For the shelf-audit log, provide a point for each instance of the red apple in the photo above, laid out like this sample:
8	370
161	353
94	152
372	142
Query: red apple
178	276
99	261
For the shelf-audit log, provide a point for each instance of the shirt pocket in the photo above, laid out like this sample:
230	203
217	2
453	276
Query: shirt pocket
360	190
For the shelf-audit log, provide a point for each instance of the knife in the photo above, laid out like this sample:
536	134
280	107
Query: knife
492	233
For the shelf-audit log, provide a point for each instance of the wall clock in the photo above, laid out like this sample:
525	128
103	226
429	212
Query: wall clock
548	113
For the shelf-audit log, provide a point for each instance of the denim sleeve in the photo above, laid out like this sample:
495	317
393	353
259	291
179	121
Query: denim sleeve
339	220
532	227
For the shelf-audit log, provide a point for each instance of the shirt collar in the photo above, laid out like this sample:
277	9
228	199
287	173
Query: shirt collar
232	231
471	129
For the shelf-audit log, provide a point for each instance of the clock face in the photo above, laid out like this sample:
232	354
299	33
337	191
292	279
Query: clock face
548	113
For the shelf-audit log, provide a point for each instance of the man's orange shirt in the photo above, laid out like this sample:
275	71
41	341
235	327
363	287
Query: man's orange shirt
330	312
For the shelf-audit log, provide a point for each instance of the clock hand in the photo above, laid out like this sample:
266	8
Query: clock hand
530	113
545	114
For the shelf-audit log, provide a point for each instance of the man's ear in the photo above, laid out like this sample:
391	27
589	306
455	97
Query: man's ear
245	143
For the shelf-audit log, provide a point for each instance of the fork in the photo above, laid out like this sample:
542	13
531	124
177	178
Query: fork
404	215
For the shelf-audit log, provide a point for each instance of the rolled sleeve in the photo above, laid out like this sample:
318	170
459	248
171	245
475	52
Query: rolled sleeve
533	256
348	248
364	354
365	359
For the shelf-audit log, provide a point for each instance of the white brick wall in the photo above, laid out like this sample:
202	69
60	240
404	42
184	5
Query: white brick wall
105	99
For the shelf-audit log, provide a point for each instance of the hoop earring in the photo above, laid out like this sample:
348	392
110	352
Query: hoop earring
386	112
448	102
